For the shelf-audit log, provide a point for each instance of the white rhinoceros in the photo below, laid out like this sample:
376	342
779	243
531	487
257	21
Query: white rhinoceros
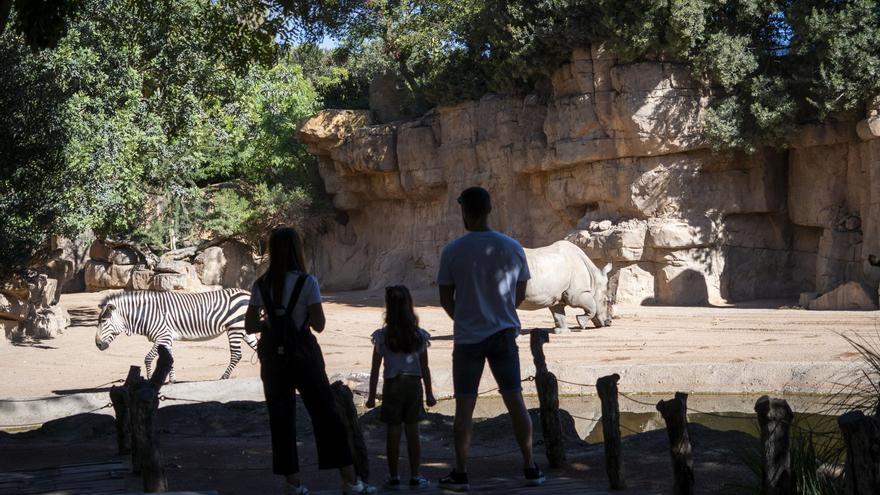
562	275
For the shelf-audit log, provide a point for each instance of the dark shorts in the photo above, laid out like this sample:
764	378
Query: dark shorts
468	361
402	400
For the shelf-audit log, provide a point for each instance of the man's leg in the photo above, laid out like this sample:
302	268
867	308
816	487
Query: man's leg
468	361
463	427
503	356
522	424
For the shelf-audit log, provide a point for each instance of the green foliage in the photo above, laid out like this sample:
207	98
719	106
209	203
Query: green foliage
33	178
772	64
134	114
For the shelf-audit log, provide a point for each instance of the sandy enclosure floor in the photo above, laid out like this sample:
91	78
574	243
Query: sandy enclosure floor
643	340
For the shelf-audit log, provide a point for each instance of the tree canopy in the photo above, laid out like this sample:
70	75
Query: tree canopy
176	118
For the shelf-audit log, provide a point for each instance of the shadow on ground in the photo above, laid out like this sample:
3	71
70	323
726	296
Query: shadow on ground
226	447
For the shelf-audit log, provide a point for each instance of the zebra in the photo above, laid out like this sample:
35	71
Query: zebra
167	316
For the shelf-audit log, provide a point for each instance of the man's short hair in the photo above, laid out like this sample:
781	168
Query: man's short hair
475	202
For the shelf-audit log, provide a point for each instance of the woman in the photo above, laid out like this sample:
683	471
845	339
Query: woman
290	359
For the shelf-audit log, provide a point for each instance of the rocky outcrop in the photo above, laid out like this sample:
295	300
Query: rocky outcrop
29	307
228	264
848	296
613	159
67	261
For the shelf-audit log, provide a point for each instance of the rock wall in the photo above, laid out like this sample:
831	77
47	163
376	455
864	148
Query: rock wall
122	265
613	159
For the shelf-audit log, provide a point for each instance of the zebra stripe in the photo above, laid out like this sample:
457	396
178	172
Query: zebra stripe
164	317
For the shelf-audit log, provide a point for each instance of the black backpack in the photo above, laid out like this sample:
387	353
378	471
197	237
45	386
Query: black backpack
280	335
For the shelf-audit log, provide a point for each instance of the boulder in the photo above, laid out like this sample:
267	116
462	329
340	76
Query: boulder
850	296
43	291
67	261
12	308
167	281
624	241
48	322
117	253
141	278
102	276
805	298
635	284
666	233
240	270
173	266
210	265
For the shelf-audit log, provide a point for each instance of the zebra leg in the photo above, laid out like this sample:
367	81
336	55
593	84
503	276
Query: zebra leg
251	340
235	338
148	360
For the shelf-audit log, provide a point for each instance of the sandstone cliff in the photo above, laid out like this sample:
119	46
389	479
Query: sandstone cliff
613	159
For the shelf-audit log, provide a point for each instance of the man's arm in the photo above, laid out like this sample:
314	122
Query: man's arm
521	292
447	299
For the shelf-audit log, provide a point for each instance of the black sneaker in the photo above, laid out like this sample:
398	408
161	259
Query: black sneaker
534	476
457	482
392	484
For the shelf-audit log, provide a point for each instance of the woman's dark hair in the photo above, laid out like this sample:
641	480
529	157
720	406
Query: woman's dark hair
285	255
401	323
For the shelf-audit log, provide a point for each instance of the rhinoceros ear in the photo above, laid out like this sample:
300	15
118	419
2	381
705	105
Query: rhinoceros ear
606	269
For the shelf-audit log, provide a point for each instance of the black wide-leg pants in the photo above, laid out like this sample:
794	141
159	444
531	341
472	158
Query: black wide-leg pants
304	372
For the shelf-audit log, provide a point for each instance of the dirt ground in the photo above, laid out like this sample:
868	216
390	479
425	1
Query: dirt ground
692	345
225	446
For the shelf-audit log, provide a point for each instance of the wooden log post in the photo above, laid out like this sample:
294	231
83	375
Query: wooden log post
348	414
674	412
606	387
146	438
861	435
134	419
775	418
548	400
119	399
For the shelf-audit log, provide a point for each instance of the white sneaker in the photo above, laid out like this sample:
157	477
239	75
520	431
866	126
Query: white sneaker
360	488
295	489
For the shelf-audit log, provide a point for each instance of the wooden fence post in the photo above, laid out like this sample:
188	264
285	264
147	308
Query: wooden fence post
152	471
349	416
119	399
135	420
606	386
775	417
674	412
548	400
861	434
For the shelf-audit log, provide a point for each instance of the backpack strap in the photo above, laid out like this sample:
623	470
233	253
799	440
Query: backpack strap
294	296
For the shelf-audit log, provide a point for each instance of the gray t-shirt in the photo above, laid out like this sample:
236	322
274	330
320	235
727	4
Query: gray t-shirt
398	363
484	267
311	294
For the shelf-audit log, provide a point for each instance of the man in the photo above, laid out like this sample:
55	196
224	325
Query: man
482	280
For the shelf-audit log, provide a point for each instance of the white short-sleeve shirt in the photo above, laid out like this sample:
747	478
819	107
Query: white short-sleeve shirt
311	294
484	267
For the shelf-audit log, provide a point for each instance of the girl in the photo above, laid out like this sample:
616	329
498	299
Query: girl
290	359
403	346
